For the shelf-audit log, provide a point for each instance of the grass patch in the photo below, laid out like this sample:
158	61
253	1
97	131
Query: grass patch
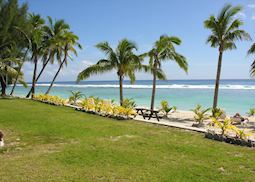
49	143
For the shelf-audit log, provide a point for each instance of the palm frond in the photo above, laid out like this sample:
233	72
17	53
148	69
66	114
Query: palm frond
94	70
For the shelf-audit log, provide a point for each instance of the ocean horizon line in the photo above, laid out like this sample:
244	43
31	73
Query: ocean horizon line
74	81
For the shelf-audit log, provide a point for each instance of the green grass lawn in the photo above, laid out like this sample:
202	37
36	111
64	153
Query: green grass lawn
49	143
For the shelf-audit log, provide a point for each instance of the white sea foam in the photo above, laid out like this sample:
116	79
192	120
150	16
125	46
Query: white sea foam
173	86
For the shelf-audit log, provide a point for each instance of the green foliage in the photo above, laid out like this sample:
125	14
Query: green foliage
251	112
129	103
200	114
56	141
224	126
13	26
165	107
226	28
217	113
174	108
123	60
76	95
252	51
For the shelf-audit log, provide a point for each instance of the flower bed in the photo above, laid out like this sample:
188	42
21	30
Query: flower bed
232	140
229	133
106	108
49	99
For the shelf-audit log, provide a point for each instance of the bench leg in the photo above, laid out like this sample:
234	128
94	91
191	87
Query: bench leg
143	114
157	117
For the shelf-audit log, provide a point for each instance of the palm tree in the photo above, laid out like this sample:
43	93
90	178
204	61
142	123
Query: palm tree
225	31
164	49
123	60
252	51
68	41
37	35
52	39
6	71
12	16
20	65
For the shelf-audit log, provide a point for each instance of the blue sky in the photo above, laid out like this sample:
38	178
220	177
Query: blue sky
143	21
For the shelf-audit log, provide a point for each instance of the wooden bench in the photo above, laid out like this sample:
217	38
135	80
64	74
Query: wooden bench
144	113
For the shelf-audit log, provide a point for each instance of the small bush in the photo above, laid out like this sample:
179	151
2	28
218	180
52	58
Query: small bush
200	114
251	112
165	107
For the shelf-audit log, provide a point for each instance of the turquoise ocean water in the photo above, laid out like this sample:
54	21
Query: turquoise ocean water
234	96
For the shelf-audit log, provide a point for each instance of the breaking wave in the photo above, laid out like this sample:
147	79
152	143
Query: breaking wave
173	86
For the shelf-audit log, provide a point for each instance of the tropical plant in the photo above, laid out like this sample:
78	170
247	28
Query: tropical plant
164	49
174	108
225	31
251	112
165	107
241	133
54	31
200	114
107	108
217	112
76	95
12	19
55	100
123	60
129	103
68	41
252	51
37	45
224	125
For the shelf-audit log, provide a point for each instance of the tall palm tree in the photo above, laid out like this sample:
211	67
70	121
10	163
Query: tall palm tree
37	35
123	60
20	65
69	41
252	51
225	31
52	43
11	43
163	50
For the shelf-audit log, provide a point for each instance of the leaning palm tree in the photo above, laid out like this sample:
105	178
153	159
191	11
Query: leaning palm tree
123	60
19	77
52	43
37	35
252	51
225	31
164	49
68	41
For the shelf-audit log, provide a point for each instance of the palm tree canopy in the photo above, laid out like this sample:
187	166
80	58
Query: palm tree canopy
122	59
69	42
163	50
226	28
252	51
37	34
54	31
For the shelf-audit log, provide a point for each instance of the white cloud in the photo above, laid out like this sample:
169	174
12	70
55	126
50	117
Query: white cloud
241	15
251	5
87	63
253	17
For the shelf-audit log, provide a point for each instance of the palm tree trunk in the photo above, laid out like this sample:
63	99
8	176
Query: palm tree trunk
121	89
39	75
61	65
17	77
3	86
153	88
34	78
217	82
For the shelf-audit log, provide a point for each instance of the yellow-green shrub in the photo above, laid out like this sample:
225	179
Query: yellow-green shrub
49	99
